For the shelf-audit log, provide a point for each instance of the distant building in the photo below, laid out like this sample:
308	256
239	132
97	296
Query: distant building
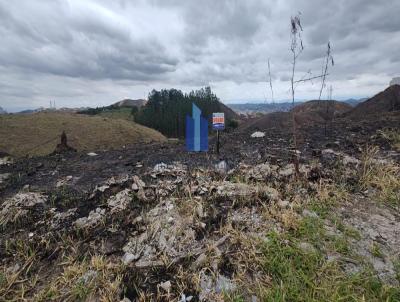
395	81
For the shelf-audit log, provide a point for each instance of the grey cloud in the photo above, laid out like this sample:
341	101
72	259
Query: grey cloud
64	48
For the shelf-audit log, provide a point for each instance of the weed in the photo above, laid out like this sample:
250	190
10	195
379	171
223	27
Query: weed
376	250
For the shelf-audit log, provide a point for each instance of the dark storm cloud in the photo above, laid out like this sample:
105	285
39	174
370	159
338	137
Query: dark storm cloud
103	50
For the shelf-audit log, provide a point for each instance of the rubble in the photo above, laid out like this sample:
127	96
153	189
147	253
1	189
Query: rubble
7	160
120	201
95	218
4	177
262	171
19	206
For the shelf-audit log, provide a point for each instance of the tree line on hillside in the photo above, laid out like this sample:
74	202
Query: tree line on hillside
166	110
98	110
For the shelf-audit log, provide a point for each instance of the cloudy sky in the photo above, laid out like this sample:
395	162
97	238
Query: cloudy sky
93	53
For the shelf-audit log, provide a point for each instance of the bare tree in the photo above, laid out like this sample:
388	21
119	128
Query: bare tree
327	62
296	47
270	82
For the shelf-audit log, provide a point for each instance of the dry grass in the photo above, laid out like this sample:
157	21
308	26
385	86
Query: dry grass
382	176
90	280
393	136
38	134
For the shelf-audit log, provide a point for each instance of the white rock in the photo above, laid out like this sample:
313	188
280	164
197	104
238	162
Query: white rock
128	258
283	203
257	134
350	160
224	284
92	154
307	213
166	285
221	167
288	170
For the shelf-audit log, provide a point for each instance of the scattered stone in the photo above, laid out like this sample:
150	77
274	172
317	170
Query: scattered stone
128	258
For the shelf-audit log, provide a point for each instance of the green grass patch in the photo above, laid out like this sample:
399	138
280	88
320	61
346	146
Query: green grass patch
298	274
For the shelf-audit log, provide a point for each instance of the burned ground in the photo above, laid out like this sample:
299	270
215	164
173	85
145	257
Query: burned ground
154	222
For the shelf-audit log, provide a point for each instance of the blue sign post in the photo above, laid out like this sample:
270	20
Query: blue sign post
196	131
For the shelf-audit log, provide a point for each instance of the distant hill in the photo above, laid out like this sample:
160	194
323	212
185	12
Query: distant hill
38	133
2	111
311	112
262	107
130	103
385	101
251	108
320	107
354	102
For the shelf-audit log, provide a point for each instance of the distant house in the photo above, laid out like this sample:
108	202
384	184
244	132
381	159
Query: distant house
395	81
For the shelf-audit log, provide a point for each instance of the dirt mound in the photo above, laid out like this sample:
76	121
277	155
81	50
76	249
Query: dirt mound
38	134
312	112
274	120
385	101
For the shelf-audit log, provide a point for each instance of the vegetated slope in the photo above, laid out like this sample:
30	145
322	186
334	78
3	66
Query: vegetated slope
311	112
38	134
130	103
385	101
124	113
